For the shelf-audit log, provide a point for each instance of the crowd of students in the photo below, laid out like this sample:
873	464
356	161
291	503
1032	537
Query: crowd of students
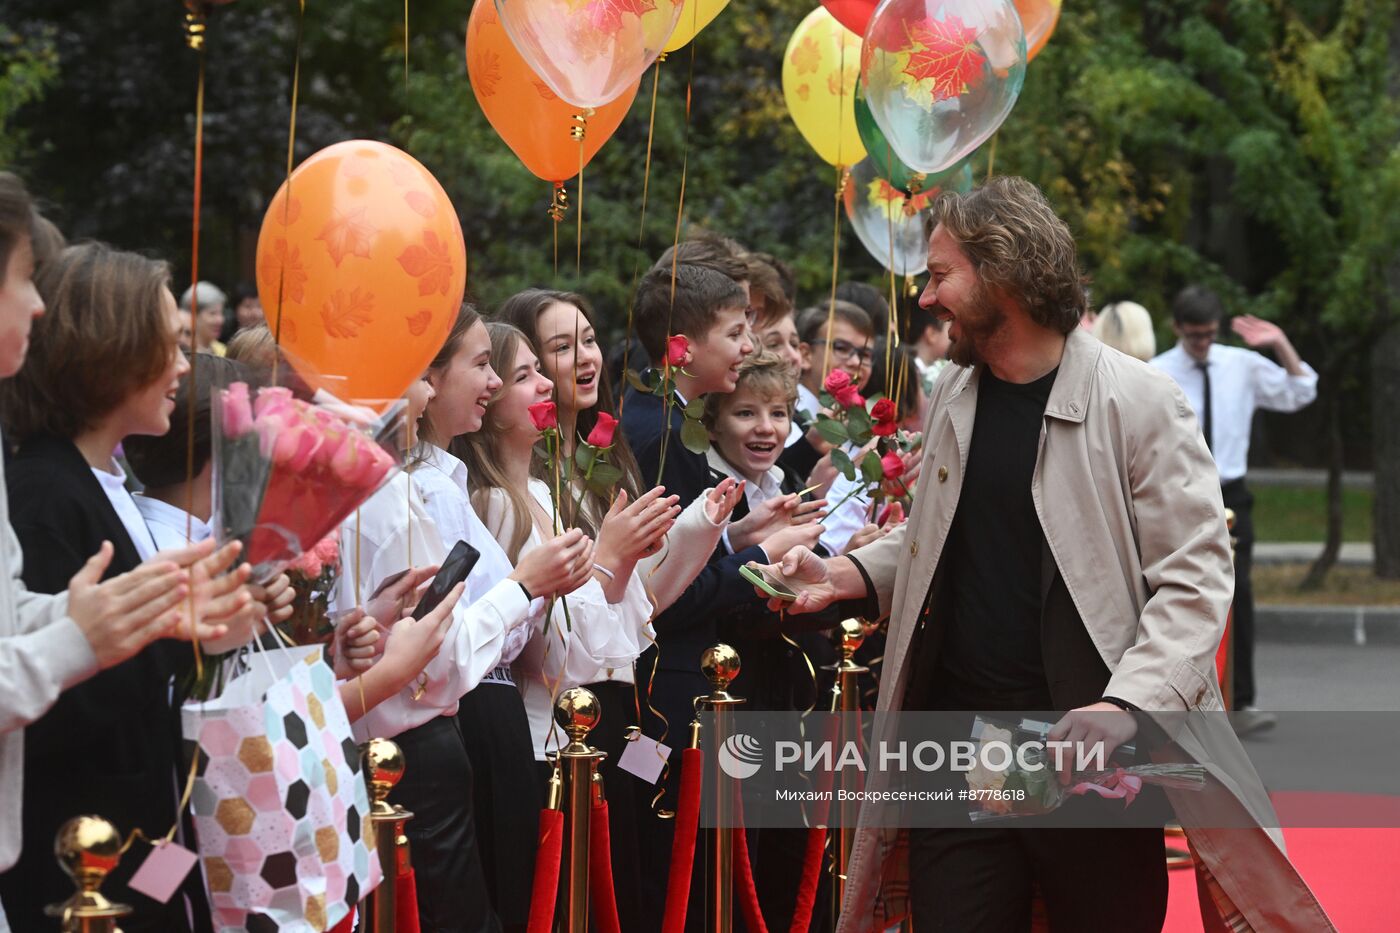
91	677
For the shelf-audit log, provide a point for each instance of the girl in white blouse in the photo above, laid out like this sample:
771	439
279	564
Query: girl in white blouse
560	330
598	631
392	534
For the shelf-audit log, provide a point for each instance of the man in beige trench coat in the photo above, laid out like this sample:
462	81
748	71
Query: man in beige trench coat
1105	542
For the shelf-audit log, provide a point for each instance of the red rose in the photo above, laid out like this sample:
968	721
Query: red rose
602	433
883	413
850	397
545	415
893	465
837	381
676	349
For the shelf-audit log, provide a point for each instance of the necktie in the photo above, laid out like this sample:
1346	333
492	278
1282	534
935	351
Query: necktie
1205	415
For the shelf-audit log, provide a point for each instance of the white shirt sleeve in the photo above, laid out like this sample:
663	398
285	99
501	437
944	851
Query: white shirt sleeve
686	551
1276	390
847	518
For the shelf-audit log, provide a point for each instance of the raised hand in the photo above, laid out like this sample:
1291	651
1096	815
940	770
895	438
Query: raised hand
720	501
1257	332
128	612
558	567
764	520
631	531
785	539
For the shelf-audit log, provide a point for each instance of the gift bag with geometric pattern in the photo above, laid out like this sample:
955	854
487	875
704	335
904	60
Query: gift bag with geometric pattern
279	800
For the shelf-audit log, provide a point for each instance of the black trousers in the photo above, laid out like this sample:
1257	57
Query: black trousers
437	788
983	880
1239	498
508	793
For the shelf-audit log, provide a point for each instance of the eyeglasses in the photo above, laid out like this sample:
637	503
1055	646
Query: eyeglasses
845	351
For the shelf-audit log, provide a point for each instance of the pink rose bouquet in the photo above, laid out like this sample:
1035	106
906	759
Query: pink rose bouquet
287	472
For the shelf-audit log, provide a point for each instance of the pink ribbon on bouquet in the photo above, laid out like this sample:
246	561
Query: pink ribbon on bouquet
1119	785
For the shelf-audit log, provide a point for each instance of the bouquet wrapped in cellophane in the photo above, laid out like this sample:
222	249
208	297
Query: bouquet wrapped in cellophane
1028	783
288	470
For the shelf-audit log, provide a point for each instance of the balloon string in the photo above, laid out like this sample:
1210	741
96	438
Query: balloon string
287	185
641	234
843	177
579	131
194	38
991	157
405	45
675	247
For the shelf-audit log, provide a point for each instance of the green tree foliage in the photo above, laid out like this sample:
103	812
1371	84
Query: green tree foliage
27	65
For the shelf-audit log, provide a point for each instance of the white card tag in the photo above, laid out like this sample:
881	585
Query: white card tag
644	757
161	873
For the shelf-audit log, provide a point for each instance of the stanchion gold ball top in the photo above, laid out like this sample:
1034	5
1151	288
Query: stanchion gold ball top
852	633
384	762
577	711
720	665
87	848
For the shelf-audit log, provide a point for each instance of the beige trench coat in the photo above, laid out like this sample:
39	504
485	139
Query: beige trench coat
1129	500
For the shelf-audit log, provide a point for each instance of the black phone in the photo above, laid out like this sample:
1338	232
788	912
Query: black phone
454	570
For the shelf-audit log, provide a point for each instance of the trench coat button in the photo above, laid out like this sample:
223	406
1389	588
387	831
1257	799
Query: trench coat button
943	474
914	549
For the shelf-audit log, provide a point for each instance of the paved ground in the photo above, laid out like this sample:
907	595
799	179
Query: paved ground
1354	553
1313	676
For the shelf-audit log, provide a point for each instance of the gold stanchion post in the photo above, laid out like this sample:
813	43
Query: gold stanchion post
845	698
577	711
384	766
87	848
720	665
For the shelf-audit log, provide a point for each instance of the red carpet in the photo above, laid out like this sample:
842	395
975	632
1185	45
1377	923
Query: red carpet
1352	872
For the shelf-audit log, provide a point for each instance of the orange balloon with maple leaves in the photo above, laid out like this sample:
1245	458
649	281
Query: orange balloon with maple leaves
534	121
361	270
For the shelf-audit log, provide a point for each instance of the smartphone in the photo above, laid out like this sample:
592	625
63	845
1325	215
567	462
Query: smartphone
767	582
454	570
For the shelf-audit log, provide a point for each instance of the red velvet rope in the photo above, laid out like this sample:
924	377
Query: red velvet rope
745	891
811	874
547	859
683	845
406	893
812	863
600	877
405	902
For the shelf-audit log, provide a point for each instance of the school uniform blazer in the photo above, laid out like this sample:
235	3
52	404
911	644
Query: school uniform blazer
109	745
783	655
691	623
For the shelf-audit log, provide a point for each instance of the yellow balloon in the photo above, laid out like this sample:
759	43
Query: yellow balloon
820	70
695	16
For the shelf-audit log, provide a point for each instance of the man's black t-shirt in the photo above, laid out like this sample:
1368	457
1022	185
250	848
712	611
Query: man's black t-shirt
992	643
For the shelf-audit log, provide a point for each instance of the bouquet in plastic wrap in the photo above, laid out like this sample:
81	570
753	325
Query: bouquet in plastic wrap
1015	774
288	471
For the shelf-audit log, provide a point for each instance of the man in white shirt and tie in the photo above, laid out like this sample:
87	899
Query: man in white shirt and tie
1226	385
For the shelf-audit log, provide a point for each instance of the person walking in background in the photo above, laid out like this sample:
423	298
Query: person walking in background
1225	385
208	318
1126	326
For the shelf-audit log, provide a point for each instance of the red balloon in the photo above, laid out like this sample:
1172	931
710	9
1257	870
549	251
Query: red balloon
853	14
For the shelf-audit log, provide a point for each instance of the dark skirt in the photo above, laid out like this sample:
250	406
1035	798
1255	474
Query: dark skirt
508	795
443	836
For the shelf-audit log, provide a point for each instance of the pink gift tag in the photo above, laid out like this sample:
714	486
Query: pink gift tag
644	757
163	870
